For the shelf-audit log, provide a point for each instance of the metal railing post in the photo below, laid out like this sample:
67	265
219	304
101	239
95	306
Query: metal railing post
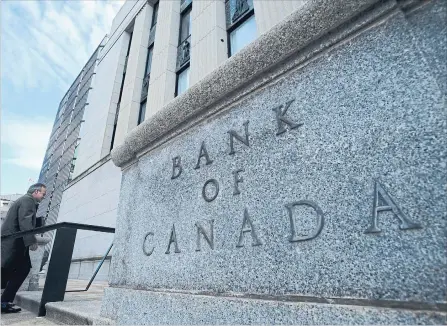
96	271
58	268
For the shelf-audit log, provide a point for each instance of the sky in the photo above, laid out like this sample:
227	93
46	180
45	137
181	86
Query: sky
44	45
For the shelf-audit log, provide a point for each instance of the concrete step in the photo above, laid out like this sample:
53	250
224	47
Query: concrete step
29	300
76	313
78	308
25	317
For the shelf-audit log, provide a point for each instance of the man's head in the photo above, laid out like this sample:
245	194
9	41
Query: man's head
38	191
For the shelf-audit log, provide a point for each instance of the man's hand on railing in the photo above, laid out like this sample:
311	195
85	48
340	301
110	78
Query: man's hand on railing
33	247
42	239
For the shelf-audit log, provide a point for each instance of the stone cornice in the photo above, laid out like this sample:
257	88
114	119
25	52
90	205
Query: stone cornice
315	20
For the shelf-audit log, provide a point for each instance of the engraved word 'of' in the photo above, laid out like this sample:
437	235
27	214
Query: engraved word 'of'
216	190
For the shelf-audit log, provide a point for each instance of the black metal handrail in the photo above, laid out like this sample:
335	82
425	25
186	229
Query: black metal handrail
61	255
56	226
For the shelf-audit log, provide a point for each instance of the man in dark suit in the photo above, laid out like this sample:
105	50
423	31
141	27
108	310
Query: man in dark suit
16	262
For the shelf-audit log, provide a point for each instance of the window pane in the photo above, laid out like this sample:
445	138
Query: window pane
243	35
155	15
130	42
183	81
149	61
142	112
185	26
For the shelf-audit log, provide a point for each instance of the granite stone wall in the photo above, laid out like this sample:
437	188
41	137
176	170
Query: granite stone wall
314	193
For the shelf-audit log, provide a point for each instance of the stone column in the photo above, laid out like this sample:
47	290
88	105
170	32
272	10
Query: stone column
208	38
111	67
269	13
163	77
130	99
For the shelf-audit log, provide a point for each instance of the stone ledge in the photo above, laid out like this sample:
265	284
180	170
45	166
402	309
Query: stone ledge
144	307
311	22
440	307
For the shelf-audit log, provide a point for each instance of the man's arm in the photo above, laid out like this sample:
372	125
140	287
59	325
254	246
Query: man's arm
26	212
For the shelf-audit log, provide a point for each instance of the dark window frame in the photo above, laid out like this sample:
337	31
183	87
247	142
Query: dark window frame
144	99
179	72
185	6
130	43
241	20
149	49
155	14
187	10
145	109
113	136
115	125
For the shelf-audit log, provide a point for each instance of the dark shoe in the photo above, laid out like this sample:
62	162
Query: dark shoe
15	306
8	308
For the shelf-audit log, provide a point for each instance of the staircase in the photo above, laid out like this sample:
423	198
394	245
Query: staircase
78	308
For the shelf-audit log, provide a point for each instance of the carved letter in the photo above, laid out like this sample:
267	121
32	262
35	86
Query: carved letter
148	253
233	135
176	164
203	153
320	221
216	186
247	226
388	204
172	239
281	119
209	239
237	180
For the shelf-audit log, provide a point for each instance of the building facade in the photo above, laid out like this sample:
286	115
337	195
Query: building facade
60	156
302	181
153	53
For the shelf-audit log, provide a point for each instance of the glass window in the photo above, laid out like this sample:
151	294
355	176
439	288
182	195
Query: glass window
185	26
130	42
81	129
149	61
183	81
113	137
155	15
243	35
60	112
142	112
75	154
